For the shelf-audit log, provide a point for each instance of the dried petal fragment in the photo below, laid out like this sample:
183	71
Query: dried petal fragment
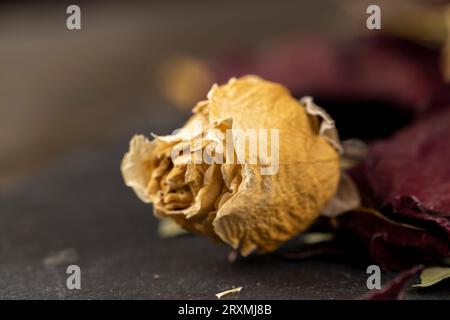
220	295
433	275
394	289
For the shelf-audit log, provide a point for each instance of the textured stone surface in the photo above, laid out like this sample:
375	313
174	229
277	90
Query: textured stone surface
83	204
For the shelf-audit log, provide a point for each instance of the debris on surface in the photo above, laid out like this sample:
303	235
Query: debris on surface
168	228
62	257
224	293
433	275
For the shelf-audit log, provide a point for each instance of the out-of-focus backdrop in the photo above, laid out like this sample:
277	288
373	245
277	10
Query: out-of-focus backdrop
62	90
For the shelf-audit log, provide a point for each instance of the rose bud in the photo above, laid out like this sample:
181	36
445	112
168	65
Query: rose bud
252	167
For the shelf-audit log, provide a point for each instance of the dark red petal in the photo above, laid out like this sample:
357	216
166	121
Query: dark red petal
414	166
394	289
391	245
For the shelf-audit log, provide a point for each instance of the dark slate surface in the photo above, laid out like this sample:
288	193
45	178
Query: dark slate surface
83	204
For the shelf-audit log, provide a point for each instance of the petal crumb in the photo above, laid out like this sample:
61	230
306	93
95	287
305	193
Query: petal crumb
224	293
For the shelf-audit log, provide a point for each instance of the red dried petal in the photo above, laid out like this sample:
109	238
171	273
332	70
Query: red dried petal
414	165
394	289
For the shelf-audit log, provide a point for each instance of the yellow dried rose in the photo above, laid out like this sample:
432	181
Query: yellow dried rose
243	195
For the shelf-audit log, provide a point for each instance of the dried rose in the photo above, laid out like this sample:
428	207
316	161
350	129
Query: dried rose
251	203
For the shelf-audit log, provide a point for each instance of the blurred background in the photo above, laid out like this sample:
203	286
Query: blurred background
140	66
